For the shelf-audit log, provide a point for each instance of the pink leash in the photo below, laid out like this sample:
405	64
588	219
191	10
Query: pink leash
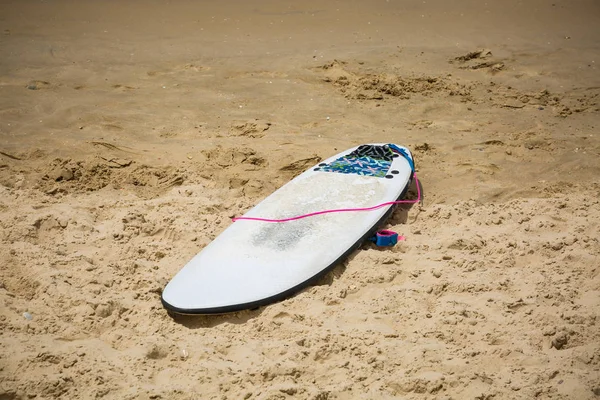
388	203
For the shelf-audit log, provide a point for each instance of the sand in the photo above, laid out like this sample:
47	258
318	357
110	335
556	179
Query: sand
131	133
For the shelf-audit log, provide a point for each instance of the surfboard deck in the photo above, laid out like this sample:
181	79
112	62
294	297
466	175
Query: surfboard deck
254	263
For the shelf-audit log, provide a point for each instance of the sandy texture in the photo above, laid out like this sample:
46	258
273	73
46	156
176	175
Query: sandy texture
131	132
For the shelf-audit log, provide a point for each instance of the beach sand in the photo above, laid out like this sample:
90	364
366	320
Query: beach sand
131	132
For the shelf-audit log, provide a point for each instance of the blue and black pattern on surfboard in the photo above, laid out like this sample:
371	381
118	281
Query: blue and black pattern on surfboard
366	160
365	166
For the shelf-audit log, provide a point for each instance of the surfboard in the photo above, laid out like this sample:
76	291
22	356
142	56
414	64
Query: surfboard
253	263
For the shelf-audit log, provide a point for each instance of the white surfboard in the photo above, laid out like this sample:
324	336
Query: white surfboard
254	263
